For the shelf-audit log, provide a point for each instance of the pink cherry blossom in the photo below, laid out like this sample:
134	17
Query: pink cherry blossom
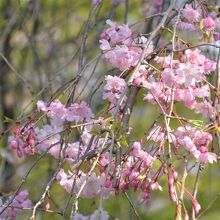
93	186
123	57
194	57
119	48
157	134
188	74
19	202
196	206
191	14
209	24
207	157
79	112
202	91
206	109
113	88
209	66
54	110
186	26
117	33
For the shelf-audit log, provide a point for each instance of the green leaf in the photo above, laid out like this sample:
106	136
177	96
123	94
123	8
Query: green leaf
201	24
122	140
213	8
197	123
215	130
8	120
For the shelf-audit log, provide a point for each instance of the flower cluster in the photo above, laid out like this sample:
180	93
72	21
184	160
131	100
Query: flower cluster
185	78
93	186
49	134
23	141
133	172
194	21
196	142
58	112
113	89
119	47
171	179
31	139
19	203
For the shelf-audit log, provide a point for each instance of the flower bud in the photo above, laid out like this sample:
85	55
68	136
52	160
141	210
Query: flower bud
14	144
31	142
19	153
47	206
13	213
26	151
16	131
196	206
174	174
165	170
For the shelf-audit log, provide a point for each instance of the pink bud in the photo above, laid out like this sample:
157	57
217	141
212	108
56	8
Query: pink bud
186	216
24	145
165	170
171	180
174	174
47	206
103	36
31	142
108	183
203	149
14	144
173	197
138	81
32	134
146	195
155	186
196	206
171	189
33	150
164	107
19	153
16	131
123	186
26	151
13	213
103	161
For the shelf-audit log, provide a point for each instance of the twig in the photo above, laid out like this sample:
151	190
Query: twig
132	205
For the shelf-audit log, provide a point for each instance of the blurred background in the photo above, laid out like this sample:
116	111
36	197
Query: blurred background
39	52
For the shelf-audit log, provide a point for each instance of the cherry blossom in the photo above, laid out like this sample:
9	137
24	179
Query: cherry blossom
79	112
209	24
191	14
119	48
113	88
93	186
19	202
